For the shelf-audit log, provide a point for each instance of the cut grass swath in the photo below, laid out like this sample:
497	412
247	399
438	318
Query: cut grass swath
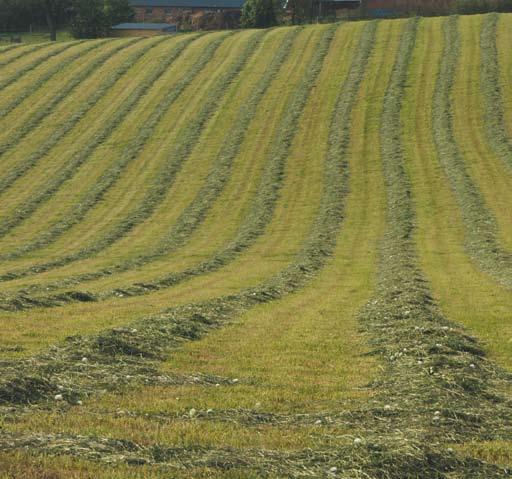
437	381
190	322
53	50
33	87
165	179
195	213
481	227
21	168
257	217
25	210
492	94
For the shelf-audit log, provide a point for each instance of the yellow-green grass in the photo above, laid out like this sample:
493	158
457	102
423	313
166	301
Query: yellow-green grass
33	55
156	154
23	465
103	156
20	115
75	141
26	83
251	156
466	295
62	113
504	40
304	352
274	250
496	452
488	171
151	230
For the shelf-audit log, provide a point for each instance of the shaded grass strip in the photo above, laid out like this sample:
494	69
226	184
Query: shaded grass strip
480	225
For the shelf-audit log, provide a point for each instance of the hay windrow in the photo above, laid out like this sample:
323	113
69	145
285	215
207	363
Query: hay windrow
480	225
22	167
83	48
113	357
492	92
22	51
192	217
437	389
164	180
79	158
436	375
149	339
255	223
53	50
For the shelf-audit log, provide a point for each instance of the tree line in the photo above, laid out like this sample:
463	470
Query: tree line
85	18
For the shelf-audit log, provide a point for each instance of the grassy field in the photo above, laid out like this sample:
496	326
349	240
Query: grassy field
263	253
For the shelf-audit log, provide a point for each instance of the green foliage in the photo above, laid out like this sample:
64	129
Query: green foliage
93	18
258	14
118	11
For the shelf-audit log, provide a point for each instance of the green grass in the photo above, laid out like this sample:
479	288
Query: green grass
35	37
258	254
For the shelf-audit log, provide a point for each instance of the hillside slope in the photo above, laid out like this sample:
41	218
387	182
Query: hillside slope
274	253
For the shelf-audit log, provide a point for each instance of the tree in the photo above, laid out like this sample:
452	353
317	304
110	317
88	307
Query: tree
54	9
93	18
258	14
118	11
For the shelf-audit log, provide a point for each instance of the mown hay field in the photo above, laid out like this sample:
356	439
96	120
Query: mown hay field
263	253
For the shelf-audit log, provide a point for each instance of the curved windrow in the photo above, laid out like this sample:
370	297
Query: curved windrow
436	381
481	228
163	181
494	123
154	336
41	54
32	84
27	208
15	137
195	213
249	230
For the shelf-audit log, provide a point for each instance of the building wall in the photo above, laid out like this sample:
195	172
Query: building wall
169	15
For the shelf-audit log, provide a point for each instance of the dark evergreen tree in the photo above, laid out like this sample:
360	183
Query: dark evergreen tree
258	14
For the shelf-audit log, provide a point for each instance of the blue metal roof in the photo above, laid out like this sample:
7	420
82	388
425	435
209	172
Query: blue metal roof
188	3
143	26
